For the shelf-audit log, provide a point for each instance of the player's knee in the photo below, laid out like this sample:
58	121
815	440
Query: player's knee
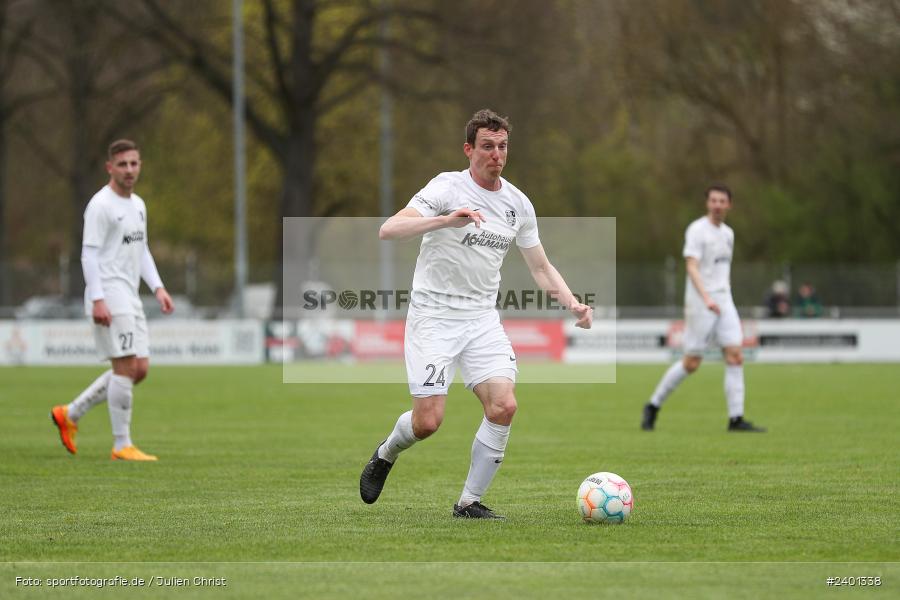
140	374
691	363
502	409
425	427
126	368
427	424
734	359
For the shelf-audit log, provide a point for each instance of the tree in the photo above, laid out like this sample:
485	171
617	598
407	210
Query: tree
791	102
17	21
105	82
307	59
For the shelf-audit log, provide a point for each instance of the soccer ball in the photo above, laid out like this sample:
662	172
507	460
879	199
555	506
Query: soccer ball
605	498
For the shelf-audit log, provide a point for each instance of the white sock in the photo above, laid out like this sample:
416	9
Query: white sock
487	455
119	403
92	395
668	383
734	390
401	438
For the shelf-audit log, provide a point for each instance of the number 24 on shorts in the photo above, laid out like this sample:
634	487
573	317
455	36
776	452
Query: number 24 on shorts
440	376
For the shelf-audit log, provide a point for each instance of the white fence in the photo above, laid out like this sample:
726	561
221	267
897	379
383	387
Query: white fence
172	342
765	341
233	342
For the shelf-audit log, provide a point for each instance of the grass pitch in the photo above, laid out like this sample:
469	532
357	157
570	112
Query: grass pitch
258	483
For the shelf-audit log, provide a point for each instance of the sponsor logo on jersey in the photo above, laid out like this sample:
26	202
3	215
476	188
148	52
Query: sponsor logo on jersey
133	237
487	239
429	203
511	218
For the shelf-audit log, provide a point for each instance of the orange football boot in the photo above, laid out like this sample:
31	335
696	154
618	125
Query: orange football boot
67	428
131	453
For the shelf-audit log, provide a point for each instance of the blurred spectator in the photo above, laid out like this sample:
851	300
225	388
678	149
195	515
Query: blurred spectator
807	303
778	301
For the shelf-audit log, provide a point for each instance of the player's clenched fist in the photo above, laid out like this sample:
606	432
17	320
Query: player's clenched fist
101	313
711	305
165	301
584	314
464	216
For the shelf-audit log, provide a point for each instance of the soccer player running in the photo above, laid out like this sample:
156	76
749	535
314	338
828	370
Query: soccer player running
115	255
468	219
709	311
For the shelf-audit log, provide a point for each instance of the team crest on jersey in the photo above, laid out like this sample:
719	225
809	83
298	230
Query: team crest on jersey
511	218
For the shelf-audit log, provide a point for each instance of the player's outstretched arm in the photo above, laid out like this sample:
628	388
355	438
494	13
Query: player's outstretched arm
692	265
409	223
550	280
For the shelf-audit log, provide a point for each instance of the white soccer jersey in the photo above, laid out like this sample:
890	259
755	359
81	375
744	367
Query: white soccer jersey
458	269
713	247
118	227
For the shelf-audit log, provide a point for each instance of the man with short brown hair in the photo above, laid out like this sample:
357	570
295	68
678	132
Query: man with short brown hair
710	316
468	220
115	257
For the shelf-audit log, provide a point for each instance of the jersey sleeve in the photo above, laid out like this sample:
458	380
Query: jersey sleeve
149	272
95	225
431	200
142	209
527	236
90	266
693	243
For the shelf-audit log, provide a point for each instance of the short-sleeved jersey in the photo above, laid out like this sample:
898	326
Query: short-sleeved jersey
458	269
712	246
117	226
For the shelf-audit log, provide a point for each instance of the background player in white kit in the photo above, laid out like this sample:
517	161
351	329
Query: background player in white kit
709	311
115	256
469	220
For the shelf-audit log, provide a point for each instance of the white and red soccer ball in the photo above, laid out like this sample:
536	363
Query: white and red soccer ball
605	498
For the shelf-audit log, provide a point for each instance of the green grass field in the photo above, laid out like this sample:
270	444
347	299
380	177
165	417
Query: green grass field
258	483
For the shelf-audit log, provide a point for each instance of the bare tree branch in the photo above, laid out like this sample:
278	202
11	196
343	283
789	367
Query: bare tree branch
10	108
134	76
403	48
356	66
166	32
12	49
277	60
46	154
350	38
197	54
36	50
326	105
133	112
